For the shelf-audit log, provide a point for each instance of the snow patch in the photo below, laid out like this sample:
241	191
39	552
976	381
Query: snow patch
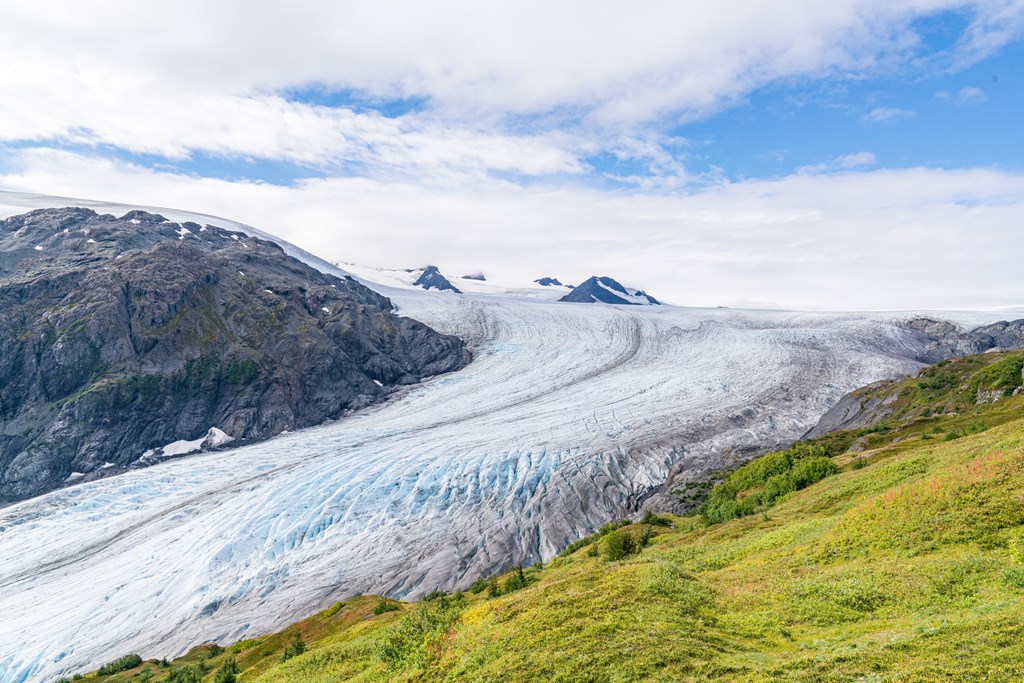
213	438
38	248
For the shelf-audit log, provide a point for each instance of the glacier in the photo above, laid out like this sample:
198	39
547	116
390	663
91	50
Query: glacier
570	415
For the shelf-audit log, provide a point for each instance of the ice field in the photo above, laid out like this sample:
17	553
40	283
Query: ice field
569	416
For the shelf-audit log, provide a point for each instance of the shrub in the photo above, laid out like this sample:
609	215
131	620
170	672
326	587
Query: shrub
619	545
386	605
433	595
119	665
758	484
516	581
493	589
185	674
654	520
1014	579
478	586
593	538
297	646
332	610
1004	375
227	673
418	637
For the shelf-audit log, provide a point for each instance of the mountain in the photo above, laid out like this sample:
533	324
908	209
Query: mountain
568	418
134	338
549	282
479	277
431	278
608	291
814	563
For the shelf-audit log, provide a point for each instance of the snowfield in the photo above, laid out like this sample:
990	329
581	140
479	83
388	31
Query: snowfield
569	416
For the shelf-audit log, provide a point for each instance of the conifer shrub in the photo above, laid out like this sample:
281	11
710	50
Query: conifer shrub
654	520
516	581
386	605
227	673
120	664
297	646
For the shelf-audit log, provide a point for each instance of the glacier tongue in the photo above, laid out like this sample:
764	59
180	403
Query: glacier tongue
569	416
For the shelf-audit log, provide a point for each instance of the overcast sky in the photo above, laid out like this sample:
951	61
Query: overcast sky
843	154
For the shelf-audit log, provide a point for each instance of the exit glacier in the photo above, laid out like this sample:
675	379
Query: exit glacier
570	415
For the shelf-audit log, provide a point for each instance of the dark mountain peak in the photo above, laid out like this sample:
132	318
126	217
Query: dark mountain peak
549	282
603	289
431	278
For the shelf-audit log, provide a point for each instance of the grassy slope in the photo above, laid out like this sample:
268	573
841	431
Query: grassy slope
908	565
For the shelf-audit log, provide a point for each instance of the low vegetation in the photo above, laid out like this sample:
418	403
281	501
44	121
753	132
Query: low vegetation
900	560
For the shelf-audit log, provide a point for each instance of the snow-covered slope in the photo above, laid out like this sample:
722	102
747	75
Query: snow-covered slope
569	416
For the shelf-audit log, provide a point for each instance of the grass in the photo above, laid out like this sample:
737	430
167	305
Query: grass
905	564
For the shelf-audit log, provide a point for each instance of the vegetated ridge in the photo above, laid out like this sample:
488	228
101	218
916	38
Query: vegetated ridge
899	559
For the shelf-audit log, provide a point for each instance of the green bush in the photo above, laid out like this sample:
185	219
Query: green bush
619	545
414	640
297	646
227	673
478	586
517	581
120	664
332	610
758	484
654	520
386	605
593	538
186	674
433	595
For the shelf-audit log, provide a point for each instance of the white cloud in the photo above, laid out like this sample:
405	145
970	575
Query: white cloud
888	115
965	96
173	78
842	163
913	238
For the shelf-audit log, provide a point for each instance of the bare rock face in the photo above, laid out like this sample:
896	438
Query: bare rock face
944	340
431	278
122	336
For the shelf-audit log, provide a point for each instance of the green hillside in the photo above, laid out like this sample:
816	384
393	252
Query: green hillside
903	561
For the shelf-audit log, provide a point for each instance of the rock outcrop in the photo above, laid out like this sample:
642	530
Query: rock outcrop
122	336
605	290
944	340
431	278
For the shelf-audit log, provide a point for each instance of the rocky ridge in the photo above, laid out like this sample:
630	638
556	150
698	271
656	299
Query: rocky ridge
123	338
606	290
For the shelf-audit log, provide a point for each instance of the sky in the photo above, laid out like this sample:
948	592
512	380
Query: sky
839	155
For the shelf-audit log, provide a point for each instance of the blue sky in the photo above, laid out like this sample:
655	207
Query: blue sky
660	144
